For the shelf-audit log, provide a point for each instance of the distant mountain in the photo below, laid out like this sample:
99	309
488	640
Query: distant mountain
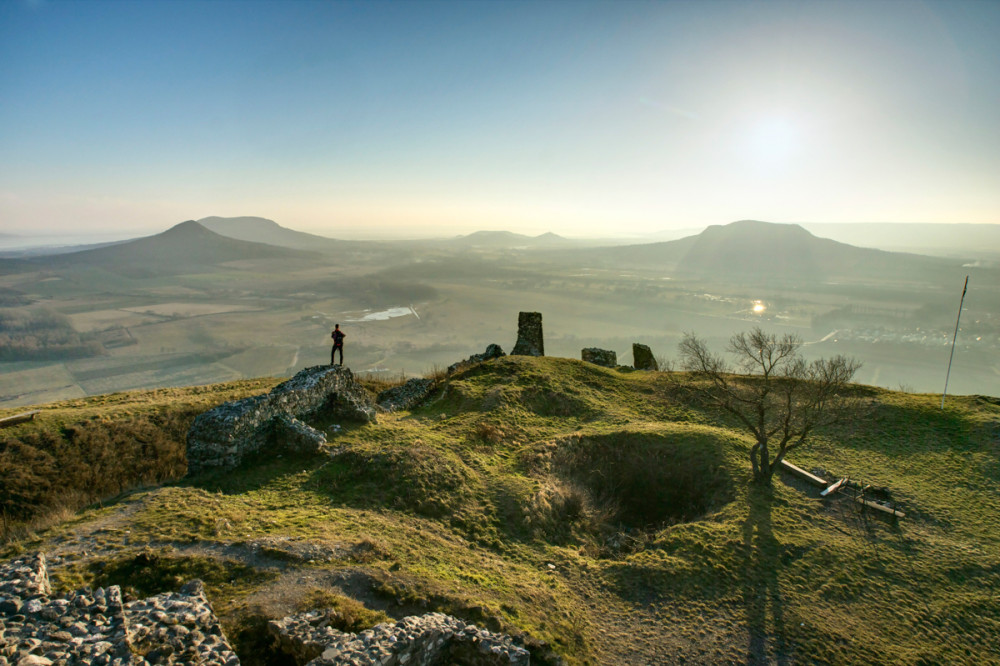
764	252
262	230
942	240
508	239
186	247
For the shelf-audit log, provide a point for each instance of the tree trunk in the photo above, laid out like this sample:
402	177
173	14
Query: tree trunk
762	470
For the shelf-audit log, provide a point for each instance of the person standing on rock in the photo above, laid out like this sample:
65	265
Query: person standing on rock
338	343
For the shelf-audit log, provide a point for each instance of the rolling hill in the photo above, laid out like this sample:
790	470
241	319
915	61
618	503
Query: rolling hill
185	248
508	239
593	509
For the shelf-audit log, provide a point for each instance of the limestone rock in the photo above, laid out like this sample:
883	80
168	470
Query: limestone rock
222	436
642	357
605	357
530	341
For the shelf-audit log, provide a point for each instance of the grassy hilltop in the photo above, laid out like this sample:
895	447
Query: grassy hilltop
589	508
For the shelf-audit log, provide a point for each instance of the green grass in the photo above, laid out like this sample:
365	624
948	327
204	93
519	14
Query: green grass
593	510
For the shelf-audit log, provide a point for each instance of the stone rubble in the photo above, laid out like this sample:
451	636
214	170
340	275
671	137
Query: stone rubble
422	640
95	628
603	357
406	396
530	341
492	351
642	357
221	437
178	628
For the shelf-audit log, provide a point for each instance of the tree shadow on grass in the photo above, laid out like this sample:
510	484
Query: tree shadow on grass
761	588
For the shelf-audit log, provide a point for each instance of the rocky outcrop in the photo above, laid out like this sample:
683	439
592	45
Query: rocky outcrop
406	396
605	357
492	351
424	640
642	357
221	437
94	627
530	341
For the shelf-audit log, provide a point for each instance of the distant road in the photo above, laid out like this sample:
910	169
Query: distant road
829	335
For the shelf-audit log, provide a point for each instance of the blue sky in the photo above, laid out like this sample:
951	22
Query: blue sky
413	118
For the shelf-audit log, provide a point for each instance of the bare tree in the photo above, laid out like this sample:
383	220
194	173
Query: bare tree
773	392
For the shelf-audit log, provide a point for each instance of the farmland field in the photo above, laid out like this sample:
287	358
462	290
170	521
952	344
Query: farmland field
264	321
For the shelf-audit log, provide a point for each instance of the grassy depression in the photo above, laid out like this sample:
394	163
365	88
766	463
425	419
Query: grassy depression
589	509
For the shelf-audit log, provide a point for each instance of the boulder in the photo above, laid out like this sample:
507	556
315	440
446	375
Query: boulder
530	341
642	357
604	357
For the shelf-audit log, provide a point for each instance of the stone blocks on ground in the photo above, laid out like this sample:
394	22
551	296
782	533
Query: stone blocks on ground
221	437
423	640
530	341
178	628
642	357
95	628
604	357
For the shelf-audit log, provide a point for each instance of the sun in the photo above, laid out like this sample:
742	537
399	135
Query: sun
773	140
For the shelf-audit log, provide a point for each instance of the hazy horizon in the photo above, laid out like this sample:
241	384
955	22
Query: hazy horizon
436	119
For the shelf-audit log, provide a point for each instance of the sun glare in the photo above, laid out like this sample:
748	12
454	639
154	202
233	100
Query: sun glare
758	307
773	140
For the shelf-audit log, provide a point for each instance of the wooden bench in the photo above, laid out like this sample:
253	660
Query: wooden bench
834	488
895	513
19	418
802	474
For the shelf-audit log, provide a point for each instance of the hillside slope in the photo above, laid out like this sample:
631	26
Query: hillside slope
593	510
186	247
750	251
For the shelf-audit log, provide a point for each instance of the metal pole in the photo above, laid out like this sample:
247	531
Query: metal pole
953	340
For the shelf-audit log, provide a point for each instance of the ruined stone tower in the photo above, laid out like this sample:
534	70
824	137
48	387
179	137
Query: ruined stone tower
529	335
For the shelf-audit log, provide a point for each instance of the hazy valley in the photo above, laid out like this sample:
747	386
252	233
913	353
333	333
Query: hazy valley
244	297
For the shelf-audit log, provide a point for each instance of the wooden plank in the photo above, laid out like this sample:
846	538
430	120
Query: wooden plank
834	488
19	418
880	507
802	474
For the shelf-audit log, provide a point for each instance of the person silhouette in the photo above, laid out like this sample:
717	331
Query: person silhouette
338	343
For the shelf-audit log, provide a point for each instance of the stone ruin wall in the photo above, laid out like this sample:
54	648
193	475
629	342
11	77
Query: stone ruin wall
424	640
602	357
95	628
221	437
530	341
